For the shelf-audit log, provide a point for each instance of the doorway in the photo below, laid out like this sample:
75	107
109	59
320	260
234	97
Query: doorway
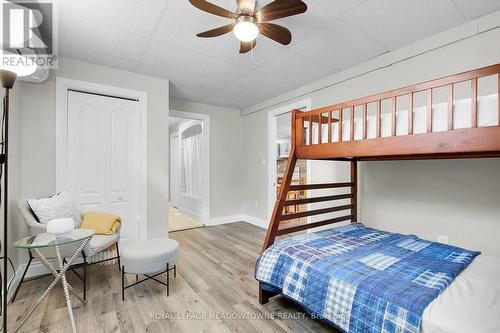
279	145
189	170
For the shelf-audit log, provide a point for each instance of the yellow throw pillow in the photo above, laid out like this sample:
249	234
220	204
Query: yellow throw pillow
102	223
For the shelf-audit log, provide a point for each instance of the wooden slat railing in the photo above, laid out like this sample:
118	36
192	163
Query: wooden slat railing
473	103
456	144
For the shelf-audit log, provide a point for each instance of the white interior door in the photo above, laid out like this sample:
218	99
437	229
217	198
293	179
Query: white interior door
103	157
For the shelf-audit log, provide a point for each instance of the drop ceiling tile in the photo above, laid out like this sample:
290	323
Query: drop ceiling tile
139	17
339	7
182	20
191	90
235	97
292	70
260	84
304	25
176	63
77	32
99	58
477	8
339	46
397	23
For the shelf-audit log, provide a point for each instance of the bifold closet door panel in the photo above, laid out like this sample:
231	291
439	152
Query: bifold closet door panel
104	160
87	151
125	163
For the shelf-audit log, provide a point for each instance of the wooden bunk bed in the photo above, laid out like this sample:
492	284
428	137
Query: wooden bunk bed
336	132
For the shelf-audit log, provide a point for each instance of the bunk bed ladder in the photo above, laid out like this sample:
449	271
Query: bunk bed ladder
282	201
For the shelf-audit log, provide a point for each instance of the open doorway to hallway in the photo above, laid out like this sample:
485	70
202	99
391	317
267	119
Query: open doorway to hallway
189	194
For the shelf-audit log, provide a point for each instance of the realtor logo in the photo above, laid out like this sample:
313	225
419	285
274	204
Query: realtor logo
29	29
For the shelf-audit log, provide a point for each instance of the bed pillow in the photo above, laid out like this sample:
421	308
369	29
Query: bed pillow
102	223
55	207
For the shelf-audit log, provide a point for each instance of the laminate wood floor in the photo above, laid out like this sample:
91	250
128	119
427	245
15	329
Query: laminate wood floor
215	291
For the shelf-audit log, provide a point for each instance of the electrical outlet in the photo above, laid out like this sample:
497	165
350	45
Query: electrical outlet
443	239
256	204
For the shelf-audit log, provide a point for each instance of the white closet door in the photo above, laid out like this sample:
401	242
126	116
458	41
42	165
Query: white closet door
103	157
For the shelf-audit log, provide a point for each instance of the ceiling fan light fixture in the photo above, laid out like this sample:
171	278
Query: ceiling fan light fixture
246	28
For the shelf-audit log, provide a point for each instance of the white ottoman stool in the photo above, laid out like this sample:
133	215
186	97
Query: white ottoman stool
152	256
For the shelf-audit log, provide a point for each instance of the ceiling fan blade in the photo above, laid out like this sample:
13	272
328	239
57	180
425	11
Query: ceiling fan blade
217	31
212	9
276	32
281	8
246	6
247	46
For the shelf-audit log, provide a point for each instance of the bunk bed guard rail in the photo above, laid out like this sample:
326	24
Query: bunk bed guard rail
451	117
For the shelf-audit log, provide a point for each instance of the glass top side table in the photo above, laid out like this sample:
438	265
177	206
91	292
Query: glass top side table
44	240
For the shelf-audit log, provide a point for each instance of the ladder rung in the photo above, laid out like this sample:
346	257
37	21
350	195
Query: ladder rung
296	202
314	212
303	187
313	225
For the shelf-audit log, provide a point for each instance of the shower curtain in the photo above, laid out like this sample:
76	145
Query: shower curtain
192	164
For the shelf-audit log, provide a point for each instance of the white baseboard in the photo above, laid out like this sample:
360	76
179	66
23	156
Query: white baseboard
238	218
255	221
36	269
190	213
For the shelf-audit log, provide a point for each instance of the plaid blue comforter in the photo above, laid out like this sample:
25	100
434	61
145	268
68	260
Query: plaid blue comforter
362	279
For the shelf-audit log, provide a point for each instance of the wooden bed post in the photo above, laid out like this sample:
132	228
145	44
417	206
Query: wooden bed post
283	192
354	189
264	295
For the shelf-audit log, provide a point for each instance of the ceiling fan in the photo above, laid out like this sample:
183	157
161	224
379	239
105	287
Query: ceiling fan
248	23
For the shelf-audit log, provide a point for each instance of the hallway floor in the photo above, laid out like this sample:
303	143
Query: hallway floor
179	221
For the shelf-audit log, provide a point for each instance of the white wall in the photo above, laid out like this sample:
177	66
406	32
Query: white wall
255	171
39	133
226	163
457	198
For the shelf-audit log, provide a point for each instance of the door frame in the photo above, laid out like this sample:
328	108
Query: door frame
206	190
172	137
271	148
62	86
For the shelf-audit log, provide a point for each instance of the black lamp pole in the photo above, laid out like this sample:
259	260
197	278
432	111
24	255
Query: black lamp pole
7	78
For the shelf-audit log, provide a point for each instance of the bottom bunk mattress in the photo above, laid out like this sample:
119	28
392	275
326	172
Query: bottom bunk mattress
362	279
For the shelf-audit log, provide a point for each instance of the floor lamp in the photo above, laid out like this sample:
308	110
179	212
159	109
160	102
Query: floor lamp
11	66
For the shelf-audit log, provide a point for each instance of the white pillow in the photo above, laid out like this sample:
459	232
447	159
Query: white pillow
56	207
